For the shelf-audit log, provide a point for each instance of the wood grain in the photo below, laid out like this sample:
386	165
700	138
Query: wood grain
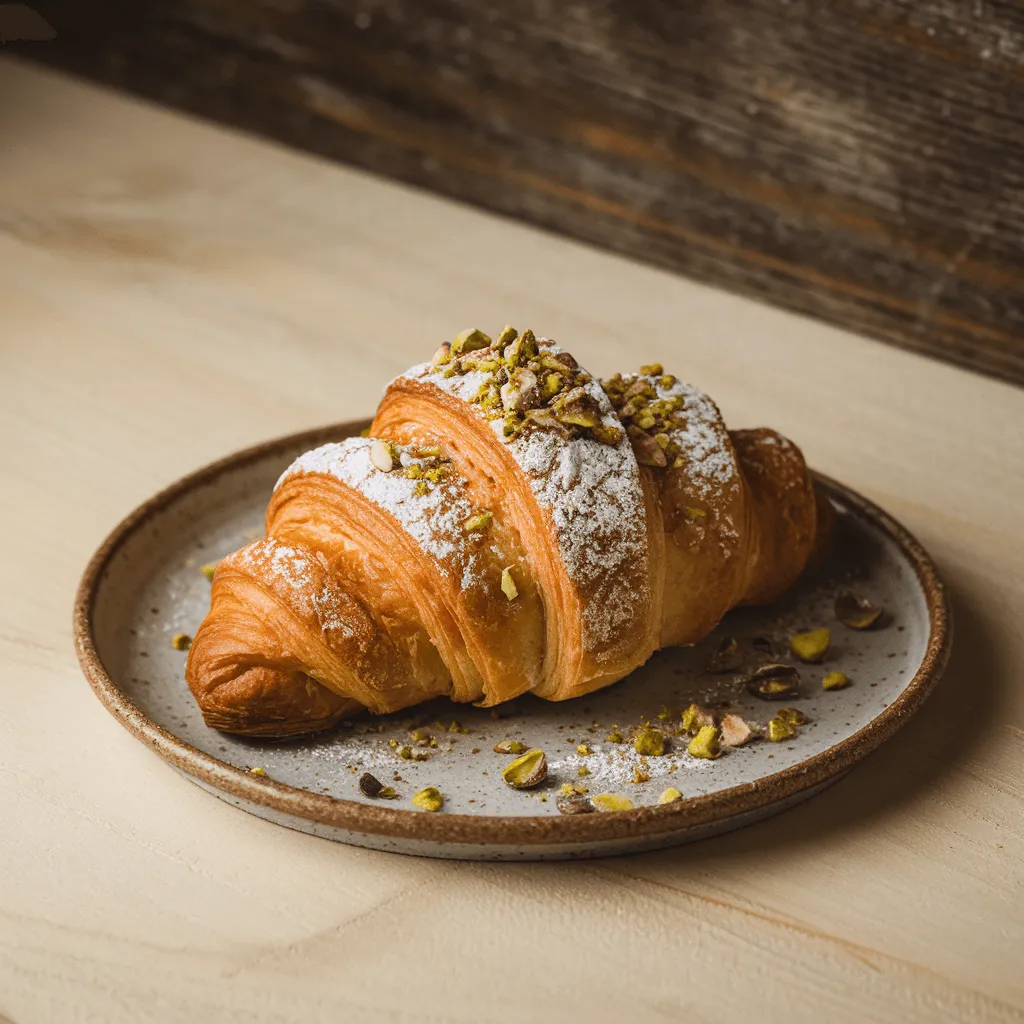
861	162
172	291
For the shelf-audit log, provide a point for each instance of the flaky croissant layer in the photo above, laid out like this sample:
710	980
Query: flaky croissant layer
511	525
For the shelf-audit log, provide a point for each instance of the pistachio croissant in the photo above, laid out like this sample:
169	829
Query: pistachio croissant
512	525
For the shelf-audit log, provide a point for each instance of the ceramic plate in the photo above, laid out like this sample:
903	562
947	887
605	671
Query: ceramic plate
144	585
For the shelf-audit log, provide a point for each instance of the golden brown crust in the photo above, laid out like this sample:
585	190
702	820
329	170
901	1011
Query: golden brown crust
462	556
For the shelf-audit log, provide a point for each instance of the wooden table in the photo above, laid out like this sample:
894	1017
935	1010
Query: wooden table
170	292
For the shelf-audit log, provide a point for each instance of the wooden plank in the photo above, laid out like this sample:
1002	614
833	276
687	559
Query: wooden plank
862	162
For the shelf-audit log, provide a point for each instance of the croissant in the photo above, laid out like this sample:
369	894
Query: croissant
511	525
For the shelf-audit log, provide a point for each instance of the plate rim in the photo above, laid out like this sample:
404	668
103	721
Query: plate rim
497	830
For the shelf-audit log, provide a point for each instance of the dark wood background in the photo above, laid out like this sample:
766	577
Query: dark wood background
861	162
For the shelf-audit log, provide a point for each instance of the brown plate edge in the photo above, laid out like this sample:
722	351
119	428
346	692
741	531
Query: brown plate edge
484	830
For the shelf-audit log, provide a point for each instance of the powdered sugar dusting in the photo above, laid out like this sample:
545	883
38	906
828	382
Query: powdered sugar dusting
433	519
596	500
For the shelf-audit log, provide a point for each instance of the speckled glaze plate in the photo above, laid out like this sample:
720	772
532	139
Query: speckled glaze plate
144	585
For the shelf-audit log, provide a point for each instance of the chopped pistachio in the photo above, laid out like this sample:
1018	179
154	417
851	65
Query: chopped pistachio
647	451
370	785
429	799
478	522
470	340
644	419
811	646
855	611
705	743
609	435
509	747
257	771
611	802
575	804
458	727
662	440
553	383
649	742
442	355
527	771
582	748
794	716
695	718
420	755
773	682
670	796
382	455
387	793
429	452
615	737
508	585
507	336
421	488
736	731
420	737
652	370
582	770
666	380
413	472
834	681
181	641
779	730
727	658
209	570
640	775
405	753
393	744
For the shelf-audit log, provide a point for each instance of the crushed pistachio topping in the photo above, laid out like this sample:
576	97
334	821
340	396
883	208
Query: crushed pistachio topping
421	737
459	728
773	682
582	748
529	386
650	419
792	715
509	747
834	681
478	522
611	802
429	799
705	743
670	796
615	737
209	570
508	585
181	641
527	771
736	731
695	717
811	646
778	730
384	455
856	611
649	742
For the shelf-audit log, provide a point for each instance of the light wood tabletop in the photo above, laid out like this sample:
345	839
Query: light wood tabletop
171	292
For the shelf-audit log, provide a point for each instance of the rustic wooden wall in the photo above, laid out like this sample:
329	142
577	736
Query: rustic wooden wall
862	162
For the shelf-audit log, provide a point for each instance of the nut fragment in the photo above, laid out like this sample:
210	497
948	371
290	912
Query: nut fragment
649	742
387	793
695	718
611	802
370	785
727	658
834	681
509	747
381	456
615	737
576	804
257	771
527	771
578	408
855	611
773	682
736	731
442	355
582	748
646	449
507	336
670	796
705	743
811	646
794	716
181	641
779	730
209	570
470	340
429	799
478	522
508	585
